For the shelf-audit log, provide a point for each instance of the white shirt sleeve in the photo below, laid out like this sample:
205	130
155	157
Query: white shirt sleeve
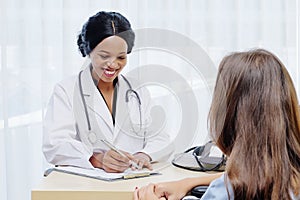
61	144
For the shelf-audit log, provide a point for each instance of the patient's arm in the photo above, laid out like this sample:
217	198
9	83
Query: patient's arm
178	189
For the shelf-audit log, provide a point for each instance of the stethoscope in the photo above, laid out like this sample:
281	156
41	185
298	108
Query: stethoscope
91	135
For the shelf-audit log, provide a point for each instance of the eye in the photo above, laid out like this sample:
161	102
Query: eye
122	57
104	56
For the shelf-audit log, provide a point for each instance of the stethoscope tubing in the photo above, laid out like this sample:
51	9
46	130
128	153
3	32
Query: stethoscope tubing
84	102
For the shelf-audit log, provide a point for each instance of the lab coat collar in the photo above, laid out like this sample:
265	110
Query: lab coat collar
120	112
95	103
97	106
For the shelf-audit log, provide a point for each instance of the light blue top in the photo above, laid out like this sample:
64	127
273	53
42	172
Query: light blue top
217	190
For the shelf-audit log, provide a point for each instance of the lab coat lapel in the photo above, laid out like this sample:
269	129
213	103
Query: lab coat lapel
95	103
121	116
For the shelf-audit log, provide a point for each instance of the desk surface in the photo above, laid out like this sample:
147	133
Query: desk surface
63	186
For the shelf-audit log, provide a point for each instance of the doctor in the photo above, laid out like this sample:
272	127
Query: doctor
101	104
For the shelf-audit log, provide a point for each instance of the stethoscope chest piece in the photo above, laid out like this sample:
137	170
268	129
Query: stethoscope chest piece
92	137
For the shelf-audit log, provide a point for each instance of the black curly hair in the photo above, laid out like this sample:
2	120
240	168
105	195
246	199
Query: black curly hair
103	25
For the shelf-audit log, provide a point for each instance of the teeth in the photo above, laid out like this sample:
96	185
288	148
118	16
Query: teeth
109	72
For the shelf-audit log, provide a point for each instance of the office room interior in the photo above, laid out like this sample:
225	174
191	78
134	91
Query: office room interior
38	49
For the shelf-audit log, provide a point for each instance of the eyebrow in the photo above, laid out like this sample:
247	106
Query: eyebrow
103	51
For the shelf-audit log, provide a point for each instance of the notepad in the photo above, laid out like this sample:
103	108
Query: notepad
101	174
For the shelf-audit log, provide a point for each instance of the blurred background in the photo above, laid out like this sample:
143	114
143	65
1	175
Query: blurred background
38	48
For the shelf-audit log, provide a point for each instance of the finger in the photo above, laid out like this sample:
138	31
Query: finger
136	194
132	161
116	159
115	155
112	167
138	166
129	156
160	191
133	168
147	165
116	166
141	192
142	160
141	164
109	170
111	164
149	192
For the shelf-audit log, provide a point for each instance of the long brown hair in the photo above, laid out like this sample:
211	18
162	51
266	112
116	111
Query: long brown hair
254	119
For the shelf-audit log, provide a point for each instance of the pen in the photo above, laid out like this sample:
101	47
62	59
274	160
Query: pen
111	146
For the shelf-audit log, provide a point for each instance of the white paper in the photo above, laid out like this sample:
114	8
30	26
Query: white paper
101	174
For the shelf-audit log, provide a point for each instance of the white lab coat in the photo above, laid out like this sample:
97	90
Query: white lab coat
66	140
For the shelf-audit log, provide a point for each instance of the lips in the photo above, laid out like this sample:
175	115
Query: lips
109	73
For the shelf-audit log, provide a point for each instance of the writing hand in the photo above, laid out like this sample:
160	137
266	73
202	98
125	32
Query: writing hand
111	161
143	160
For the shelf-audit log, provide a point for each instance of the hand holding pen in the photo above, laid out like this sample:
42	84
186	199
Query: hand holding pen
112	147
110	161
116	160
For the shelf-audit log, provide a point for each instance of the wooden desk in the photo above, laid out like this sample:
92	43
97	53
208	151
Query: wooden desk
62	186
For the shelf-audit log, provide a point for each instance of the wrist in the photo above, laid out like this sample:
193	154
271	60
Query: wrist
97	160
188	184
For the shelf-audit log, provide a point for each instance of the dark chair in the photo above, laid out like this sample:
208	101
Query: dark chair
198	191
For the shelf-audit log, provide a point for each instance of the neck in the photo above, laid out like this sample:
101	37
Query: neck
102	86
105	86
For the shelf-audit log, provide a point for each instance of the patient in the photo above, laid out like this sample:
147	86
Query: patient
254	119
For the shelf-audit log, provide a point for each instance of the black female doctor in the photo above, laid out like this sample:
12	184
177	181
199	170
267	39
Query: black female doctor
101	104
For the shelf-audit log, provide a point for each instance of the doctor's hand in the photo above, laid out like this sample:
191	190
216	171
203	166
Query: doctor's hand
143	160
111	161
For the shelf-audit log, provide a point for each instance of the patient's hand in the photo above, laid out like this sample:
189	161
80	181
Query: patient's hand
146	193
168	190
171	190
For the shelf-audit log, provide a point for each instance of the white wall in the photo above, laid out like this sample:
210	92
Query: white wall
38	48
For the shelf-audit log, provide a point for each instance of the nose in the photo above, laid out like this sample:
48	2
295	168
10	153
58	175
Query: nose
112	63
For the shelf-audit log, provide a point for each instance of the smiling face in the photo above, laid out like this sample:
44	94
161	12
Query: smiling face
108	58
